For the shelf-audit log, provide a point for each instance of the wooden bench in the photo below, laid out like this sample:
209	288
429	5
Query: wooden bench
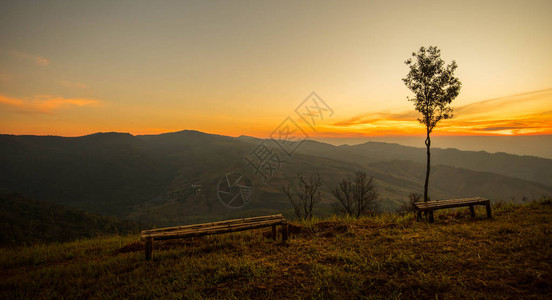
213	228
430	206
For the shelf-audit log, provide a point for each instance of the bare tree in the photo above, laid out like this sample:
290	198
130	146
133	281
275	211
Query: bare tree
434	87
357	197
305	196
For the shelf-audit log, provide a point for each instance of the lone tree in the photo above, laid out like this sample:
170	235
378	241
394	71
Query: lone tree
434	87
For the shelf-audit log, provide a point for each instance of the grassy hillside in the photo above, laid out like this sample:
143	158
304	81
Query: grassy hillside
386	256
27	221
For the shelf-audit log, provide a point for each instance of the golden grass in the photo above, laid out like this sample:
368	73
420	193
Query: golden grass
386	256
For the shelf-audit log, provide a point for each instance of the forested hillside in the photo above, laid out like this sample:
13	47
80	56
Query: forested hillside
150	178
28	221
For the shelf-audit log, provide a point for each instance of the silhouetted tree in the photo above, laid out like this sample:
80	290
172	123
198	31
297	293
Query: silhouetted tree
305	196
358	196
434	87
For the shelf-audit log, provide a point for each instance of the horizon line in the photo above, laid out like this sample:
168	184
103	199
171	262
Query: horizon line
436	134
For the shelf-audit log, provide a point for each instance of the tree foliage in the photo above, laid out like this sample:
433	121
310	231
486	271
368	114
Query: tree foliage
305	196
357	196
433	84
434	87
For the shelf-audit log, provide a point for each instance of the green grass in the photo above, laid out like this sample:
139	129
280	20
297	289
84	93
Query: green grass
386	256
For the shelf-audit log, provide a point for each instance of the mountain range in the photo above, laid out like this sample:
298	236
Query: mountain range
172	178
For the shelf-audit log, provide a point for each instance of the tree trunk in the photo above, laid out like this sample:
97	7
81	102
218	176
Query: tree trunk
428	145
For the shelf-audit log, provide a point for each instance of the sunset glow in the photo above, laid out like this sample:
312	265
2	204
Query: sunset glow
523	114
143	67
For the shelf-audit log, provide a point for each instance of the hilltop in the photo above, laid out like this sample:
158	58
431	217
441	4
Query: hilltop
386	256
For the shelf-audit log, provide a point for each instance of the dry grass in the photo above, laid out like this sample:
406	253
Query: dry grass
386	256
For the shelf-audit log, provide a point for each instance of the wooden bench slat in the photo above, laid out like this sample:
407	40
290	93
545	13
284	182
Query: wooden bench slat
217	231
179	232
441	203
195	230
456	200
461	200
243	220
466	201
430	206
448	206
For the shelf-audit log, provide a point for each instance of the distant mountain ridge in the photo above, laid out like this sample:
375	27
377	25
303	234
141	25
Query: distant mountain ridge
148	178
525	167
530	145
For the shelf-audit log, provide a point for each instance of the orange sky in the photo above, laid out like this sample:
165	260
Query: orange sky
238	67
522	114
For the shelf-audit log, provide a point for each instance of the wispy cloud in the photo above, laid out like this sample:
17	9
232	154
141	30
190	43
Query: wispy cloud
45	104
530	123
39	60
519	101
526	113
372	118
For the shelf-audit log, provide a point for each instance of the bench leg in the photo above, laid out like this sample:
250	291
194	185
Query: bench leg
419	215
488	207
284	232
431	216
274	232
472	211
149	247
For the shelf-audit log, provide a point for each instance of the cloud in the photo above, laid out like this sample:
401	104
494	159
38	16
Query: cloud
501	128
526	113
44	103
540	97
39	60
69	84
376	117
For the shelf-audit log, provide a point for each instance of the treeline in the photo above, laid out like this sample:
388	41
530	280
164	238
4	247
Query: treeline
25	221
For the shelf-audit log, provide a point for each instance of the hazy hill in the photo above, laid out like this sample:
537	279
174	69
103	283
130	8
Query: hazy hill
525	167
24	220
532	145
149	178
